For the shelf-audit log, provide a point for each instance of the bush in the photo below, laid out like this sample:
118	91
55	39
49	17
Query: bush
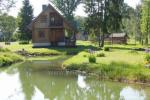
147	58
84	55
92	59
24	42
101	55
106	49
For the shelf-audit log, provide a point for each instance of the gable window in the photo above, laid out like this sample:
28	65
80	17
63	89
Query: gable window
43	19
41	34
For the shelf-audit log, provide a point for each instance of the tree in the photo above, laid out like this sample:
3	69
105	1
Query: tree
139	35
67	7
129	21
7	26
25	18
115	9
145	20
104	16
5	5
94	9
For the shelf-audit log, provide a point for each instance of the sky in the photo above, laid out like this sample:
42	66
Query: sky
37	5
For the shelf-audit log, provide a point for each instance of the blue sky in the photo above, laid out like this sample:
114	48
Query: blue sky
37	5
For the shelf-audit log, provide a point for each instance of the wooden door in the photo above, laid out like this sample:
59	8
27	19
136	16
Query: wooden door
56	35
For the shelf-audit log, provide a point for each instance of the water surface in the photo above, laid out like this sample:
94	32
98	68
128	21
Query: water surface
35	81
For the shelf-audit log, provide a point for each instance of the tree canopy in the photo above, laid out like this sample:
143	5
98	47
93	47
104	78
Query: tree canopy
7	26
145	20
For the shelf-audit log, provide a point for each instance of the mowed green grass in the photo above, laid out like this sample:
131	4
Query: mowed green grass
124	56
81	45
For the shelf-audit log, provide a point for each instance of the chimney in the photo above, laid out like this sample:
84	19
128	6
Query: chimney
44	7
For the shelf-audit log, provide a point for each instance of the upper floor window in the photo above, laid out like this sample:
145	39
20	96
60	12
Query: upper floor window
41	34
43	19
52	19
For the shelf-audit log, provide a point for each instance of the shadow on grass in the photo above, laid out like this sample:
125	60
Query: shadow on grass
128	48
75	50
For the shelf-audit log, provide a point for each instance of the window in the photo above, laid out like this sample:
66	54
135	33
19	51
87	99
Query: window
43	19
41	34
52	20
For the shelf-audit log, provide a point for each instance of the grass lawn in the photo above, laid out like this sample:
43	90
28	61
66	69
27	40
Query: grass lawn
125	56
81	46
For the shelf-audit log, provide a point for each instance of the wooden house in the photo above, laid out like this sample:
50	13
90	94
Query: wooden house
118	38
50	27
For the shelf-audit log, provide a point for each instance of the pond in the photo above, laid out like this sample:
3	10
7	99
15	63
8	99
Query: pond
36	81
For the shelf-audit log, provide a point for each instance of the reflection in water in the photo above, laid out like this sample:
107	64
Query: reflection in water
81	82
128	93
10	87
29	84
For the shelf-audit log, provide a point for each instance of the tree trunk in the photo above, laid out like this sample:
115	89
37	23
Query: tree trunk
146	40
99	40
102	41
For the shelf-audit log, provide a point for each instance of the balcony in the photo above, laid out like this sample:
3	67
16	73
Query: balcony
56	24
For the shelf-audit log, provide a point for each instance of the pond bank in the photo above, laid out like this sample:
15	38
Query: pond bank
9	58
121	72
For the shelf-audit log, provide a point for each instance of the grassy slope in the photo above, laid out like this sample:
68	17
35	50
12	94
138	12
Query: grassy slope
8	58
114	56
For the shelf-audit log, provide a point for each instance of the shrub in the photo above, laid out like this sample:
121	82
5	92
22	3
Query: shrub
92	59
24	42
147	58
84	55
101	54
106	49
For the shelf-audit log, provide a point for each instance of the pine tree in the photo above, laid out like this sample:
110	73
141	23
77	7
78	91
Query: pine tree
25	16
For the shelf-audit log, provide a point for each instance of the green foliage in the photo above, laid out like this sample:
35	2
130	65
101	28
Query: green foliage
106	48
67	7
147	58
129	21
7	26
8	59
92	59
24	19
16	36
101	54
145	20
24	42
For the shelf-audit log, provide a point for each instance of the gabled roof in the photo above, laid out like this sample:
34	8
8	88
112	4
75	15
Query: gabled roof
118	35
56	10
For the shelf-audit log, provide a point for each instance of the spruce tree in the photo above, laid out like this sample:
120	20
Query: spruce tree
25	18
